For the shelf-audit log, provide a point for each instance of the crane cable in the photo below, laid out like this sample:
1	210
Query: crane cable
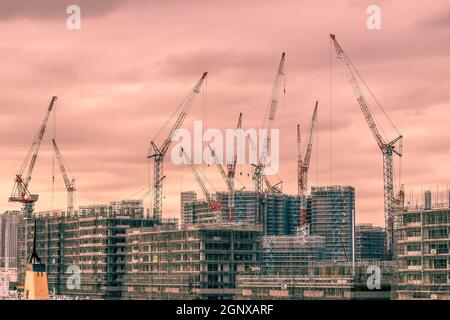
53	160
331	113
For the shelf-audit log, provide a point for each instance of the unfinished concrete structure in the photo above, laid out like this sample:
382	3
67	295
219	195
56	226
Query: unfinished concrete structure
89	243
245	205
369	242
9	230
423	244
280	213
199	212
324	280
332	217
289	254
194	262
185	198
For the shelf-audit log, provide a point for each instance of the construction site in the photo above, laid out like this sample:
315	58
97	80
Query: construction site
234	244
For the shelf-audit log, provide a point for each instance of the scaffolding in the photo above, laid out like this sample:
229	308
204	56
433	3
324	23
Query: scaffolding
286	254
92	240
332	216
194	262
423	251
369	242
323	280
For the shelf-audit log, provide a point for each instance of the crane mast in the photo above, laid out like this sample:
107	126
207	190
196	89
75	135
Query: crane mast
158	153
303	165
299	161
306	161
70	183
231	171
269	118
20	192
388	149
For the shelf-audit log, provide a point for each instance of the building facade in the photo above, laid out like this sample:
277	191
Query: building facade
322	280
332	217
194	262
186	197
85	251
9	231
199	212
369	242
423	244
291	254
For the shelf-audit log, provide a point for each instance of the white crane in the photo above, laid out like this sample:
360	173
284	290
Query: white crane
388	148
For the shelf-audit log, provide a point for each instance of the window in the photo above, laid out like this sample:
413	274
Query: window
414	247
439	247
438	233
440	263
438	278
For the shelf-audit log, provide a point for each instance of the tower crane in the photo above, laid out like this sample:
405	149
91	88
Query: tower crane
158	153
228	182
231	169
269	118
303	165
70	183
214	205
230	175
20	192
299	161
388	148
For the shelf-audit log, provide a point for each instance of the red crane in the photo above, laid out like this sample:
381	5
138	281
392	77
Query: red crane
303	165
20	192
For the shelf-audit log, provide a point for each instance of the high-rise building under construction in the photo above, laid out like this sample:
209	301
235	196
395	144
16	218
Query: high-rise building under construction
89	244
280	214
9	227
332	216
423	250
369	242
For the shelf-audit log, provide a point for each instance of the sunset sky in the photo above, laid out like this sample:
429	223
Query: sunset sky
120	77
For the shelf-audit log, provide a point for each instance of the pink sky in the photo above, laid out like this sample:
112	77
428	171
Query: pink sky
124	72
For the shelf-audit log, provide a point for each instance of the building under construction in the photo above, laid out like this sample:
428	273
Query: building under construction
423	244
244	205
369	242
9	230
90	243
194	262
280	213
199	212
291	254
332	217
325	280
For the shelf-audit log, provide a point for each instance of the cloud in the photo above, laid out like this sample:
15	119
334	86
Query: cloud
120	77
54	9
438	20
